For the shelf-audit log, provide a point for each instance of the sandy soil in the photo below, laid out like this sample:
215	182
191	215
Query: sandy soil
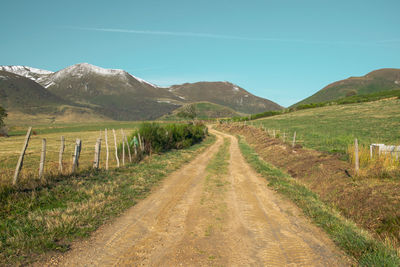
192	220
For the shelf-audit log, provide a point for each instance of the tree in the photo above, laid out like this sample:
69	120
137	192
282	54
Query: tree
3	114
188	111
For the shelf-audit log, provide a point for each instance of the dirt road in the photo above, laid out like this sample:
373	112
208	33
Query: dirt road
195	219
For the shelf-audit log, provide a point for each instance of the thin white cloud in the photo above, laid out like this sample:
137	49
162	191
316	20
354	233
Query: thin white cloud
232	37
185	34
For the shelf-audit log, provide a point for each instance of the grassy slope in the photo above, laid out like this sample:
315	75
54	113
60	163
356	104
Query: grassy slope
357	243
33	222
205	110
333	128
376	81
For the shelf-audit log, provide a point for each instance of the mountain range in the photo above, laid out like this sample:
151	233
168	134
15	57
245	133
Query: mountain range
114	94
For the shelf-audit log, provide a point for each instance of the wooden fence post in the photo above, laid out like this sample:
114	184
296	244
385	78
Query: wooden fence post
105	135
42	159
60	156
294	139
123	149
116	149
274	133
284	136
134	144
140	142
77	152
21	156
125	139
356	158
370	151
96	163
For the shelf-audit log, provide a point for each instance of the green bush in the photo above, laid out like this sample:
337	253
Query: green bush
163	137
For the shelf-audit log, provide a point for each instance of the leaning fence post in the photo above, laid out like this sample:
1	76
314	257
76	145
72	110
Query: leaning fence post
21	156
116	149
42	159
294	139
96	163
357	160
60	156
105	135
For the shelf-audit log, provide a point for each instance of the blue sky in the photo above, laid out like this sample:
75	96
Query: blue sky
283	50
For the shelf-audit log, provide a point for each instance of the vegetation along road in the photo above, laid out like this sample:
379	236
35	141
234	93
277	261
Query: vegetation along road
214	211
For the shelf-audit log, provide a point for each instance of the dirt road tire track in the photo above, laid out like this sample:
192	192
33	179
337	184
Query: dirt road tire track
255	226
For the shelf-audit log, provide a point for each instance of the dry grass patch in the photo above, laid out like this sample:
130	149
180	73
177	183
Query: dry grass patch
48	217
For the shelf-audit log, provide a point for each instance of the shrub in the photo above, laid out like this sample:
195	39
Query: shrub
163	137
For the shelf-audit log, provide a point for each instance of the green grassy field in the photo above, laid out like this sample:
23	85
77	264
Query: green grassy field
333	128
72	127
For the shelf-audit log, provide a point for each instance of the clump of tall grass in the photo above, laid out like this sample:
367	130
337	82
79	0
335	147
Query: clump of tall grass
383	165
158	138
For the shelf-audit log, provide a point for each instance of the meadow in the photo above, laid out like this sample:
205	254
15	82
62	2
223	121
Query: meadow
10	147
334	128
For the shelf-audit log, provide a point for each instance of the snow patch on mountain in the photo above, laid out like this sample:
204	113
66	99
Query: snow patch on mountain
25	71
49	84
143	81
79	70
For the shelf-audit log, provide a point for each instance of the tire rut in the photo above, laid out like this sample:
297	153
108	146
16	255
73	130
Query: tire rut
233	220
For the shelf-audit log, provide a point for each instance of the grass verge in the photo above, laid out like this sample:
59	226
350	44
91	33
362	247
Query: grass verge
354	241
33	222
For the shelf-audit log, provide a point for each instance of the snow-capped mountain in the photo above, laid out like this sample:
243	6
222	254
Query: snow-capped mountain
119	95
25	71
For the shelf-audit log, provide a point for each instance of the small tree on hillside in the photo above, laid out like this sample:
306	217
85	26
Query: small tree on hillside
3	114
188	112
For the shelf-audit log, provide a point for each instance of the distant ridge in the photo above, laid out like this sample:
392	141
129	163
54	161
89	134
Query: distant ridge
119	95
375	81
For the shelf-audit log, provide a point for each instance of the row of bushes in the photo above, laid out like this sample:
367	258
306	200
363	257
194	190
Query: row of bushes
158	138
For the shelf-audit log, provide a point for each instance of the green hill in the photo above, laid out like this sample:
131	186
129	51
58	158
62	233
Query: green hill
22	94
373	82
333	128
225	94
204	110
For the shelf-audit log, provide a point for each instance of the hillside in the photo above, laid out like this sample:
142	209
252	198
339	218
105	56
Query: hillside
375	81
333	128
22	94
224	93
204	110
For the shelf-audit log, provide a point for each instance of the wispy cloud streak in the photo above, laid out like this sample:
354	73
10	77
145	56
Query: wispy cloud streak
185	34
231	37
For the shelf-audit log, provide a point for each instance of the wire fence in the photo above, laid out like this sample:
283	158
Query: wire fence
10	150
